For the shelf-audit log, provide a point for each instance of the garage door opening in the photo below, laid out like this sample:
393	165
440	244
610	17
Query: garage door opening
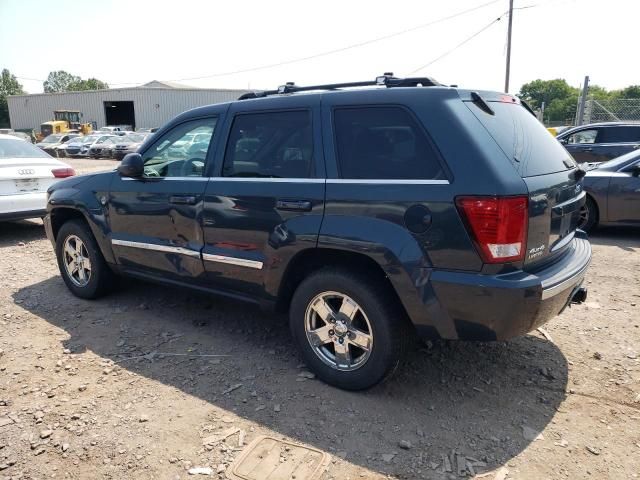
120	113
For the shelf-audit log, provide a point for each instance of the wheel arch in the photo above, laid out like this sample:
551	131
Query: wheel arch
311	260
62	214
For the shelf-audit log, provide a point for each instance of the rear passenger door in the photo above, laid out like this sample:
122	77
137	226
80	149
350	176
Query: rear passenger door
387	182
265	200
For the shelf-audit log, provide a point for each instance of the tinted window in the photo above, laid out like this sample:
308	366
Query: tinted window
383	143
583	136
177	154
524	140
278	144
620	134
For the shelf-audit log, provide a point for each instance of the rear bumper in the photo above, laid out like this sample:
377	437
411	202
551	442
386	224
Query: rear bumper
484	307
23	205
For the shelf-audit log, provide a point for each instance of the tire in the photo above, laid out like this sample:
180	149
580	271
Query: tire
377	315
99	280
589	216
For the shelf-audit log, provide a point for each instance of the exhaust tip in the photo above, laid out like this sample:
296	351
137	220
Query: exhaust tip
579	296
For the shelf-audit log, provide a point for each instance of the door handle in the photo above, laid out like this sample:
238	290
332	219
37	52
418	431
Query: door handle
182	199
293	205
587	149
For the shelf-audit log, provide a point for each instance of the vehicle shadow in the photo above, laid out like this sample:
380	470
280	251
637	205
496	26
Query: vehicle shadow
626	238
20	231
472	397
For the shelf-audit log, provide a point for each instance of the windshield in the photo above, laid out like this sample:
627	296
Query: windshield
52	139
619	162
19	149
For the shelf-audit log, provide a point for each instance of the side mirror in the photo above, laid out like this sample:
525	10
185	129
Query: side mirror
635	170
131	166
563	141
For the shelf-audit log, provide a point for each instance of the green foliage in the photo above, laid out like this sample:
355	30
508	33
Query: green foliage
539	91
62	81
9	85
561	99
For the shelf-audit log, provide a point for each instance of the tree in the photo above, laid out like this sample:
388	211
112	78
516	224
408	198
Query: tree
89	84
539	91
632	91
9	85
59	81
62	81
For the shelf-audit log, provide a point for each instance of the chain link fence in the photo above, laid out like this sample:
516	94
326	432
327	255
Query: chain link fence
615	110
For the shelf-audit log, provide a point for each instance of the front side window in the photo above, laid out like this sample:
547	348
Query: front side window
182	151
383	143
583	136
276	145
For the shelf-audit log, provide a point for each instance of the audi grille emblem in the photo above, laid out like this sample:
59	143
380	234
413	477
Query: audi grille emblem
26	171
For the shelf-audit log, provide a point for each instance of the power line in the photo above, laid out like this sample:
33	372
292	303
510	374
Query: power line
333	51
466	40
342	49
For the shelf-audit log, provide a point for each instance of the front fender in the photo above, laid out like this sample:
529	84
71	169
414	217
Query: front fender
85	197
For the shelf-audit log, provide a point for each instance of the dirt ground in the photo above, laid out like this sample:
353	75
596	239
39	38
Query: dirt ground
128	386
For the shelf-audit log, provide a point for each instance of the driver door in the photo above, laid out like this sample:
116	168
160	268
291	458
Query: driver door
155	227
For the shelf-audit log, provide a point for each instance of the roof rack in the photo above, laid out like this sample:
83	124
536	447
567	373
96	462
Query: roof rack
386	80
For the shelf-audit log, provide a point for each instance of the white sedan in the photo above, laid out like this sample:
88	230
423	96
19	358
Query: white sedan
25	174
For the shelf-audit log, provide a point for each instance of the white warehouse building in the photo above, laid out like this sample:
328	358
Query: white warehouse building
146	106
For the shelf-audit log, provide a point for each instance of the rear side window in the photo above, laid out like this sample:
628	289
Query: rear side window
277	144
524	140
383	143
619	135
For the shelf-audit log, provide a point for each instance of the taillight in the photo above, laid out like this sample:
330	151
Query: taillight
63	172
498	226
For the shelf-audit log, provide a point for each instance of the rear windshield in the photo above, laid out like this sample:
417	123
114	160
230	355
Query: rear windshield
19	149
525	141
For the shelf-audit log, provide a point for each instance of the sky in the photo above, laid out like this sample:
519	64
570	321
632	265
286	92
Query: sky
127	42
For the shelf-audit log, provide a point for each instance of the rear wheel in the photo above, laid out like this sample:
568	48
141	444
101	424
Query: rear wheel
588	215
349	329
80	261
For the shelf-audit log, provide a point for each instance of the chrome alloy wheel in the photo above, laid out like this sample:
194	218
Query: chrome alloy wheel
584	216
76	261
338	331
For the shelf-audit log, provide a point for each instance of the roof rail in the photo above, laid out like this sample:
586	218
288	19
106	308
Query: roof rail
386	80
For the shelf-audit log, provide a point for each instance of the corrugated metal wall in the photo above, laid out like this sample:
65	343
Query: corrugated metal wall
153	106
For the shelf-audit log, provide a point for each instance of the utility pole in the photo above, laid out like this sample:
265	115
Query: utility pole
583	101
508	69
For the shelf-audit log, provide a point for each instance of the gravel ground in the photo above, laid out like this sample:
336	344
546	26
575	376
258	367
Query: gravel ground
127	387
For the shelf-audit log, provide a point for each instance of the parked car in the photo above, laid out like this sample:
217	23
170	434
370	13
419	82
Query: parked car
368	213
147	130
102	147
600	142
12	132
25	174
613	193
51	143
79	146
128	144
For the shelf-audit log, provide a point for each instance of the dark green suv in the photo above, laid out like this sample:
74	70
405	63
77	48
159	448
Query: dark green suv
370	211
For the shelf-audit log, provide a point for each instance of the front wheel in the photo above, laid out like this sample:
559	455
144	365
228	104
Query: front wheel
350	331
80	261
